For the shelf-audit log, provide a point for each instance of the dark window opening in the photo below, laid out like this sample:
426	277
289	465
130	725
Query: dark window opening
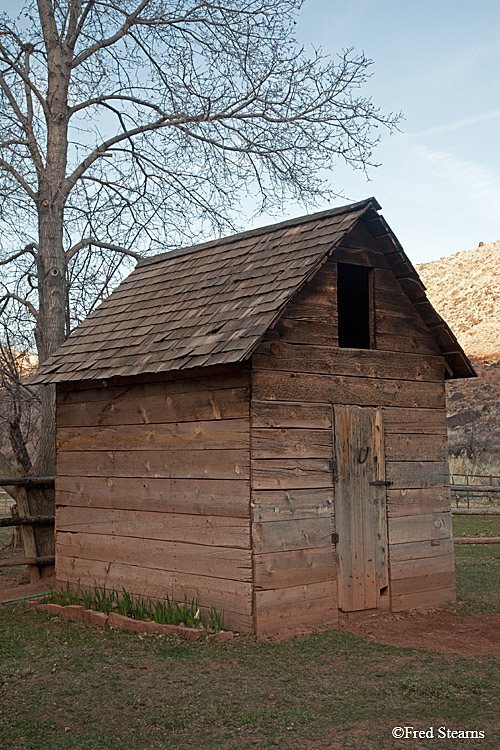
354	303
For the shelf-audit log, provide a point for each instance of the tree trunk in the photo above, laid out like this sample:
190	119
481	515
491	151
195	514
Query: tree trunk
51	260
50	335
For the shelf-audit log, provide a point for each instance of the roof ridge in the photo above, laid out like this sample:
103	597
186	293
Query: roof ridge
304	219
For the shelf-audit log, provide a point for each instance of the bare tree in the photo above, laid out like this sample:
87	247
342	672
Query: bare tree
128	125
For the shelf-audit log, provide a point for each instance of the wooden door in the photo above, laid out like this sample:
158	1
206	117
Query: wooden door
360	507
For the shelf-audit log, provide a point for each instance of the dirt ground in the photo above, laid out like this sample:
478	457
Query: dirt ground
430	630
15	587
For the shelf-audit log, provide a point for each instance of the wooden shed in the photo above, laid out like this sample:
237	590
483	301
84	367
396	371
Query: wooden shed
259	421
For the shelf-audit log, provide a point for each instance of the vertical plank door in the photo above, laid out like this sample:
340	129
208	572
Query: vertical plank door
360	507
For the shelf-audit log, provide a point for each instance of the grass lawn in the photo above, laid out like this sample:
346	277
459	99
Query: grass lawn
67	686
477	567
331	690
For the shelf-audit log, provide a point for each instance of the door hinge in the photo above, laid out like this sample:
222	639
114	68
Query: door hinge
335	538
381	483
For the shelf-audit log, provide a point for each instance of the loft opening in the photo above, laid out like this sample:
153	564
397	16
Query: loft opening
355	306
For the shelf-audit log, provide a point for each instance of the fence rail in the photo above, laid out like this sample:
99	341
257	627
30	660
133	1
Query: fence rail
469	486
477	540
27	481
475	488
27	521
13	561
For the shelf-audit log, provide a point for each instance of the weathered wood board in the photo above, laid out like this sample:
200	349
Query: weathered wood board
175	527
339	389
360	508
208	560
185	464
277	570
218	497
311	605
229	403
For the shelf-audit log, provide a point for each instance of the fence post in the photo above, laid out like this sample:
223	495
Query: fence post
454	494
27	532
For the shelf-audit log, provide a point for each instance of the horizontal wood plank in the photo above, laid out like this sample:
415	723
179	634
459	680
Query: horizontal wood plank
174	527
406	569
390	323
218	497
401	341
290	443
287	474
432	526
303	332
205	435
276	536
313	605
368	363
281	386
417	550
359	256
274	570
231	403
423	583
422	599
417	474
187	464
269	599
279	505
160	386
417	502
287	414
216	562
312	312
401	421
414	447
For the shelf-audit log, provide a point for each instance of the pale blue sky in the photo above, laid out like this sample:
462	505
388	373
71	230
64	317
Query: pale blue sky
439	62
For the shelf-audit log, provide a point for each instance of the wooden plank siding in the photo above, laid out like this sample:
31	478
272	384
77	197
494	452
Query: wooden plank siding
298	374
220	484
153	490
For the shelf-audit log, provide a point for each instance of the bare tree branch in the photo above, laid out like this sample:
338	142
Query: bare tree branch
110	41
25	302
92	241
28	249
19	178
13	65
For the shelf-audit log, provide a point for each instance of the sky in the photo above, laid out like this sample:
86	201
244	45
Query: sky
439	63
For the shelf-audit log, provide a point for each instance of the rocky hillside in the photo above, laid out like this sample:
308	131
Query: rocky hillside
465	289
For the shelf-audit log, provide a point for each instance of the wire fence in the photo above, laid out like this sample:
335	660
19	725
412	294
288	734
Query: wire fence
6	503
474	489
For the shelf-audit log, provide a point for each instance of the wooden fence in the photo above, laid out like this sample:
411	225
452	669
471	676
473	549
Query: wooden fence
472	489
27	522
465	486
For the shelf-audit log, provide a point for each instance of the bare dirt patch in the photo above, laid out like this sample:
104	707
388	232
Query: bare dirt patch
431	630
12	588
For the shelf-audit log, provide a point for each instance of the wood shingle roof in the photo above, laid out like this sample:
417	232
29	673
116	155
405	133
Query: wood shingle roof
209	304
